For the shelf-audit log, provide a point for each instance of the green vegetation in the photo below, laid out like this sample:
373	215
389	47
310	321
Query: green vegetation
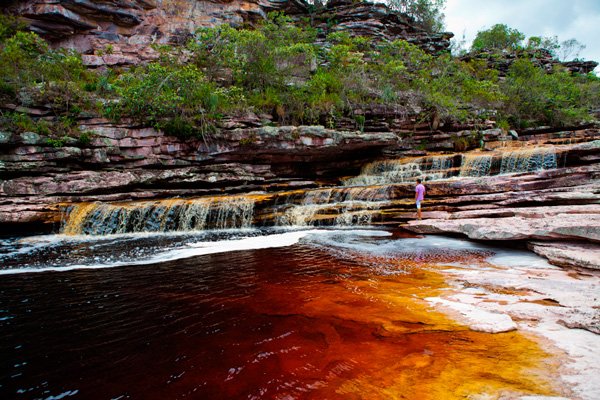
556	99
278	69
176	98
426	12
500	37
534	96
32	74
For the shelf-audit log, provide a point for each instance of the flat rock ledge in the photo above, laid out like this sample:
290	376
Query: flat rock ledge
586	255
568	236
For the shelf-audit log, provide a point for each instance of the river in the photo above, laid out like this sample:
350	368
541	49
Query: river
287	314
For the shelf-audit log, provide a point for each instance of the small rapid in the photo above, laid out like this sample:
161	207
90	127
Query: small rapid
470	165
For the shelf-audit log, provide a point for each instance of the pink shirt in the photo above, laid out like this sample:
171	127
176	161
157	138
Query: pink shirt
420	191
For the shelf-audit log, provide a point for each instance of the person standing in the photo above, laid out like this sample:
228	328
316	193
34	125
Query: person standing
419	196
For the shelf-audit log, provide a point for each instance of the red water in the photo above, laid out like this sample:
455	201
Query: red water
289	323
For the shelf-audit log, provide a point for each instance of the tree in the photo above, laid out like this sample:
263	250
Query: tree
428	13
498	37
535	97
545	43
570	49
458	46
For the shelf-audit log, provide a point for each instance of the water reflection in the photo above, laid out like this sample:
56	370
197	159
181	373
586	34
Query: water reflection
312	320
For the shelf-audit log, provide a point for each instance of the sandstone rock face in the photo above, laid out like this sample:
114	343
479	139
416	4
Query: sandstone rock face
375	20
118	32
124	162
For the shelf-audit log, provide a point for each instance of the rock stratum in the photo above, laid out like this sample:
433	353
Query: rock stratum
541	191
555	212
130	29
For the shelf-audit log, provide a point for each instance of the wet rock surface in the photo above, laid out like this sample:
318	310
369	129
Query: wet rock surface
554	212
562	226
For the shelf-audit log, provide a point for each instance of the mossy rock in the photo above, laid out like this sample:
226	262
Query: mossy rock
6	137
31	138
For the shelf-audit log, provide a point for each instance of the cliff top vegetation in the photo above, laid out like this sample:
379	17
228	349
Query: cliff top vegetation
290	70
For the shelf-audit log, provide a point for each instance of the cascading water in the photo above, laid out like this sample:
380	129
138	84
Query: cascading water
159	216
475	165
530	160
443	167
403	171
307	313
337	206
355	203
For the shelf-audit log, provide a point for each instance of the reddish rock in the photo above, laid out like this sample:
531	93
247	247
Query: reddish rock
132	27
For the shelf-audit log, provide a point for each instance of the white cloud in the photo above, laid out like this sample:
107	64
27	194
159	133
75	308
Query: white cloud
579	19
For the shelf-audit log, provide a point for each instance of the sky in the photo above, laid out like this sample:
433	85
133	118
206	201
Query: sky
567	19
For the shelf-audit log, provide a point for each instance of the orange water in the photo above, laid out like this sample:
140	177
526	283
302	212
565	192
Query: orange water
290	323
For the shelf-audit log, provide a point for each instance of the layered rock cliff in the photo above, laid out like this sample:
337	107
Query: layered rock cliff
117	32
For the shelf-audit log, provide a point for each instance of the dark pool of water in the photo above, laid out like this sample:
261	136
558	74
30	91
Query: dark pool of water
280	323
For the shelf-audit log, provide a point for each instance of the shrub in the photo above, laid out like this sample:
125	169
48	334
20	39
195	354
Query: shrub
557	99
175	97
31	72
498	37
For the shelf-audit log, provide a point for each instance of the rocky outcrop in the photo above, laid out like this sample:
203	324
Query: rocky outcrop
375	20
541	58
565	254
117	32
580	67
565	226
128	147
124	162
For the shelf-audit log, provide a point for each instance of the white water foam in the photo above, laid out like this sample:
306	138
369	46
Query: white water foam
532	285
190	249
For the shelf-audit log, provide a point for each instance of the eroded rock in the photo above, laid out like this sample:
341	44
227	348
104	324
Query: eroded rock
567	254
561	226
130	28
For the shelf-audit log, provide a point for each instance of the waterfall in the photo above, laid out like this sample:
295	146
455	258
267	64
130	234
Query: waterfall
337	206
356	203
528	160
159	216
403	171
475	165
434	168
